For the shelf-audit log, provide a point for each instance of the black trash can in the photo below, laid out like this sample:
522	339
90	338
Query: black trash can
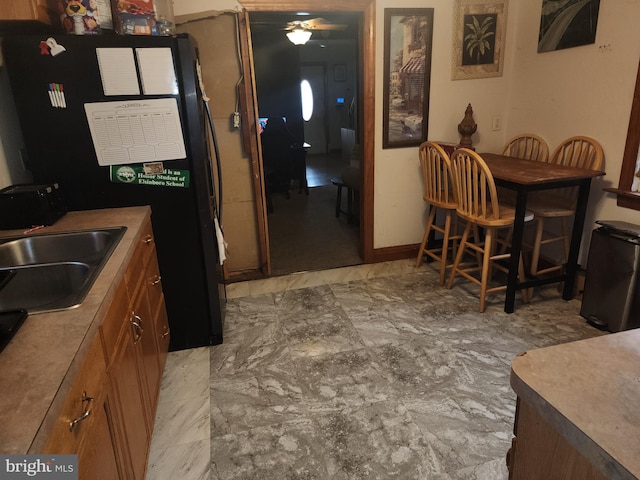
611	298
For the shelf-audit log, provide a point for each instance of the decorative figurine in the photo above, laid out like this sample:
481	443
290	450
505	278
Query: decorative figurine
467	127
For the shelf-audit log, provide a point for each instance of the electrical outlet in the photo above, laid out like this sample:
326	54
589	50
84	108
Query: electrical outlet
496	123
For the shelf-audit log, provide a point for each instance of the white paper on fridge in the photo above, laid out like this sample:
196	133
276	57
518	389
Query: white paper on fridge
118	71
136	131
156	71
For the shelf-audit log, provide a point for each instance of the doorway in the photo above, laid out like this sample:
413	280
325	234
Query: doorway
364	118
303	231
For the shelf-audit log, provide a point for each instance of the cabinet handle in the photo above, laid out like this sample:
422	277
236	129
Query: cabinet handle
166	333
137	325
148	240
156	281
85	413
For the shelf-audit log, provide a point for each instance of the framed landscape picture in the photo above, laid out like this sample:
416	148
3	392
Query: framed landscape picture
478	39
408	35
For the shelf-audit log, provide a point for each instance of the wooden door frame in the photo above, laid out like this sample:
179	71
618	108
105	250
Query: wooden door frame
366	95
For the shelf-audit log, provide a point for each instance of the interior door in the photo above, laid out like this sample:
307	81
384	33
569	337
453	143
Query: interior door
316	129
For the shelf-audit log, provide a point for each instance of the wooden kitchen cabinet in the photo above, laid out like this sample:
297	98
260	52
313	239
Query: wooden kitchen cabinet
158	308
143	282
576	410
108	412
37	10
539	451
135	357
125	400
143	338
96	455
82	427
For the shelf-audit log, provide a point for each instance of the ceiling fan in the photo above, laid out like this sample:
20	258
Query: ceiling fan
299	31
314	24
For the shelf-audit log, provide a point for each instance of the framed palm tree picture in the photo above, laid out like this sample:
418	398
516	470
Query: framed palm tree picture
478	42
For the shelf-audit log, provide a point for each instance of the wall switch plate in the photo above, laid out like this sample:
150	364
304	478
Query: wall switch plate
496	123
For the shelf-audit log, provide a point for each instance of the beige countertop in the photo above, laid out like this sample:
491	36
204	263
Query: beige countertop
39	360
589	391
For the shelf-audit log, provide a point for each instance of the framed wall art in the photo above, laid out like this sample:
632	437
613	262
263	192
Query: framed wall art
478	38
567	24
408	36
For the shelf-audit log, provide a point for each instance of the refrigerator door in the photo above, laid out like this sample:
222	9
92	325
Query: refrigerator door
60	150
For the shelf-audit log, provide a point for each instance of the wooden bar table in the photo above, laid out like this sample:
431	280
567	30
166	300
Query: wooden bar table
526	176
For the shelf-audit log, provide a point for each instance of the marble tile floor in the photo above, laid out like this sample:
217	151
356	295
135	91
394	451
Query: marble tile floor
371	371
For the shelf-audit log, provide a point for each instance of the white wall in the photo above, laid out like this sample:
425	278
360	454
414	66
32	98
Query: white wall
398	187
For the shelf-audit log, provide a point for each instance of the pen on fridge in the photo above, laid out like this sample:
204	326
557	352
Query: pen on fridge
59	95
57	92
64	100
52	98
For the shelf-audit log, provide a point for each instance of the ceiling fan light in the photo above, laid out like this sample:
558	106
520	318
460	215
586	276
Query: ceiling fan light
299	36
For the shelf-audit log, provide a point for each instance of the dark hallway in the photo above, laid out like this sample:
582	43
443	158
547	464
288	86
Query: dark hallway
304	233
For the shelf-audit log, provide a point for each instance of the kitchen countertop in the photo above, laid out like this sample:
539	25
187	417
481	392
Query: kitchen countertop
589	391
39	360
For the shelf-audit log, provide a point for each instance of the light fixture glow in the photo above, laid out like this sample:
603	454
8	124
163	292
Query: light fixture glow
299	36
306	94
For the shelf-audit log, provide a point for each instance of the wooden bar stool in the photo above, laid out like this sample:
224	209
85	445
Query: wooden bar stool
478	205
349	179
439	194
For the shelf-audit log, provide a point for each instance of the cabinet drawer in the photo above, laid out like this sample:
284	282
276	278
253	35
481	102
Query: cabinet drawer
83	397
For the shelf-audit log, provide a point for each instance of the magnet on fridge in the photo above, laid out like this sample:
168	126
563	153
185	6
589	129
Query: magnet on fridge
44	48
54	47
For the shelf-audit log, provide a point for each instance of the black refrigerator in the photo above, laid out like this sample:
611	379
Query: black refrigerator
120	121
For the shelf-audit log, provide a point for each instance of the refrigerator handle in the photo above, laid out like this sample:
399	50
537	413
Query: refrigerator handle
217	202
217	162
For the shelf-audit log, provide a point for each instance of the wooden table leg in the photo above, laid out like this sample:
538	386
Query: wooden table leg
516	248
571	268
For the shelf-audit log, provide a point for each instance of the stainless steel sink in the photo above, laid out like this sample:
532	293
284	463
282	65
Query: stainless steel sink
47	272
88	246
